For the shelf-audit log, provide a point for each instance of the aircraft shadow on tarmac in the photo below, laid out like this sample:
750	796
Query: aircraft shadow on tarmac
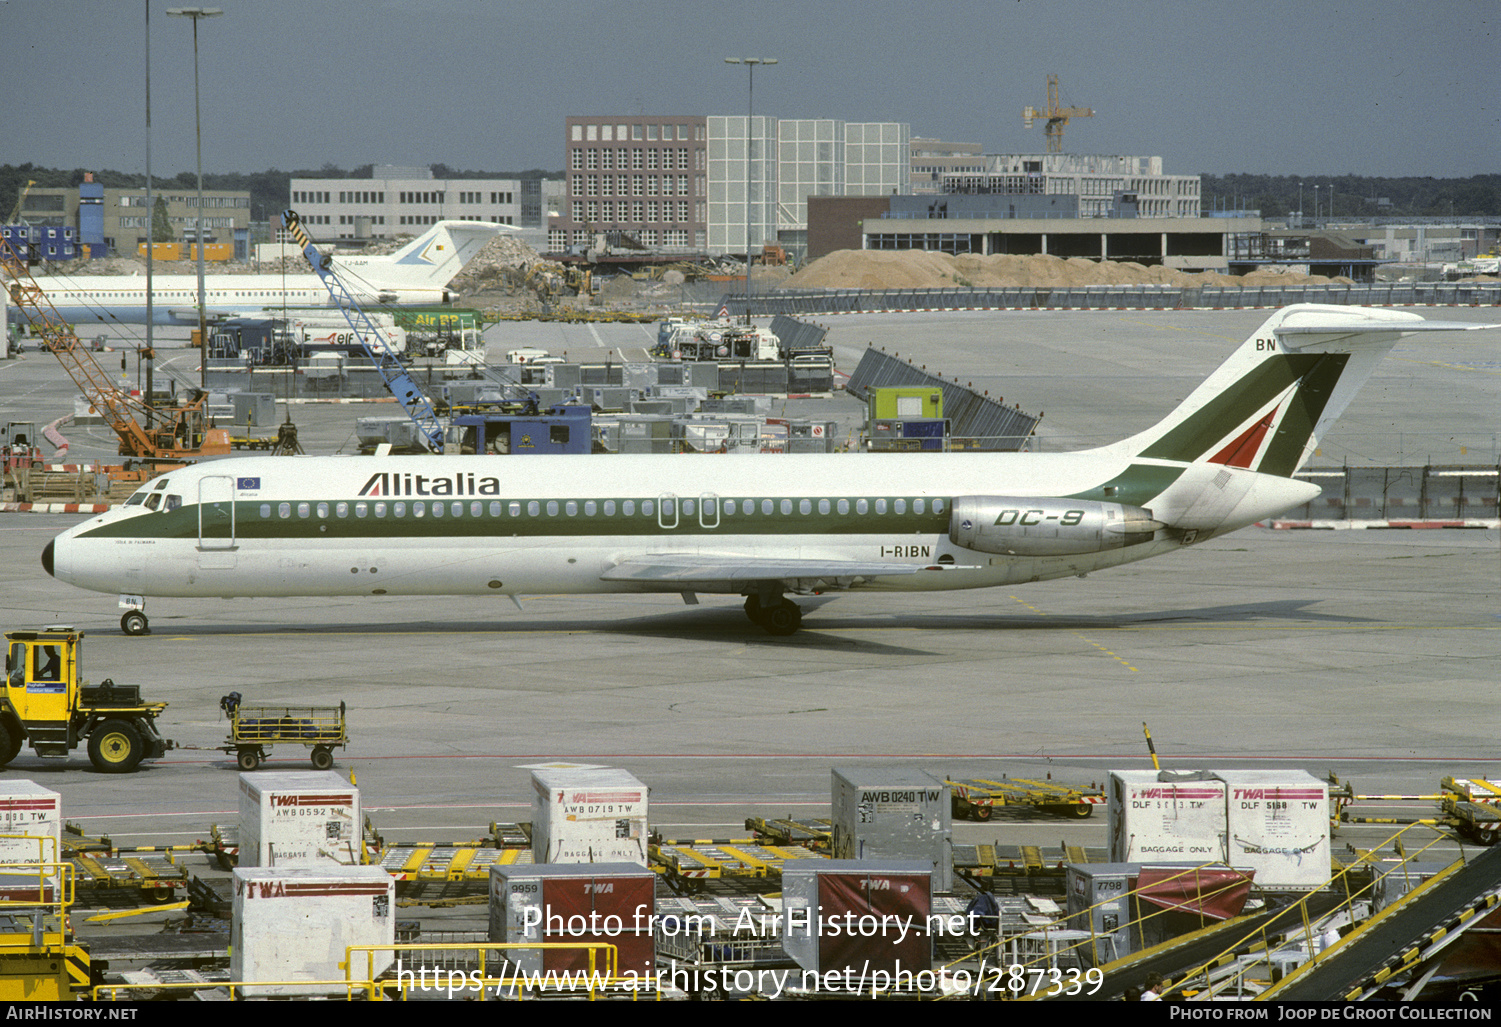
728	624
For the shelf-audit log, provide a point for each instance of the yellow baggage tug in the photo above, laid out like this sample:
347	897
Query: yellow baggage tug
47	705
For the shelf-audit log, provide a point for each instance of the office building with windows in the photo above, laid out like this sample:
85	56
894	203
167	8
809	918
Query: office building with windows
715	183
121	221
396	201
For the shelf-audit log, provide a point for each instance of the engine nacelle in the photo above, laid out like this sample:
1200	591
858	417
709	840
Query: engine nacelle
1049	526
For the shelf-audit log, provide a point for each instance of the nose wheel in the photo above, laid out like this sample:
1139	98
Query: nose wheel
134	623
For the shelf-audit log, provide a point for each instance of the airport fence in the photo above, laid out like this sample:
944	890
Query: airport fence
1435	495
1114	297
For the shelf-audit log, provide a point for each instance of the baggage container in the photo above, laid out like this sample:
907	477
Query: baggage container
588	816
293	924
1277	823
31	824
610	903
847	916
1166	816
298	818
884	813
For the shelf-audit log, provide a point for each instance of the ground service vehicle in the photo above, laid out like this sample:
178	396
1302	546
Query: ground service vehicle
48	705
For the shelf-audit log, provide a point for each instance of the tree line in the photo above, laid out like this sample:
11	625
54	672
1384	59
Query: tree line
1361	196
1275	196
268	189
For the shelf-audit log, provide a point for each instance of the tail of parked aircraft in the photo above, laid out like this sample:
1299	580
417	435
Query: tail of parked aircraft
1266	408
429	261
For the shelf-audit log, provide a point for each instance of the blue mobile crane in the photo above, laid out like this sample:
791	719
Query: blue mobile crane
385	361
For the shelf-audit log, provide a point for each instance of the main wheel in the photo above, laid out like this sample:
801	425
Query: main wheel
782	619
115	747
753	609
323	757
134	623
10	742
248	759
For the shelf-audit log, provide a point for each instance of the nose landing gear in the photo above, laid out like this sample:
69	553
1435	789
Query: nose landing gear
134	621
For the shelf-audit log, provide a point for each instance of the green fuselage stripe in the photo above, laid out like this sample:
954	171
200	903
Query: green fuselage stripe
261	520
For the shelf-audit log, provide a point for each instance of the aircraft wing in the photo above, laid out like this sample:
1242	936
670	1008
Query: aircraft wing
710	573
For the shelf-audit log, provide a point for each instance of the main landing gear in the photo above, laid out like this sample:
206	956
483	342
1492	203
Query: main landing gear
777	614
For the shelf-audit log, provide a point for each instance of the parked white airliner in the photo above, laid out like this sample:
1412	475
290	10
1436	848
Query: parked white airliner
761	527
415	275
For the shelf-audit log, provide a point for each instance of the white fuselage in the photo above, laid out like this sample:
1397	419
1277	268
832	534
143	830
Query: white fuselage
476	525
109	299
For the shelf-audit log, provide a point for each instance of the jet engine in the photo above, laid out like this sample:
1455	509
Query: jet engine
1049	526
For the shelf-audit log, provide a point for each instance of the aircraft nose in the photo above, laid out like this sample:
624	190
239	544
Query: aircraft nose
47	559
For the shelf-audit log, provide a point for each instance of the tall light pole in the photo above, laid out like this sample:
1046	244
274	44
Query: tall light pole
750	100
195	13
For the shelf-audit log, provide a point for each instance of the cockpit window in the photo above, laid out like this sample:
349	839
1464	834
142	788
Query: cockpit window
153	501
159	485
173	502
136	500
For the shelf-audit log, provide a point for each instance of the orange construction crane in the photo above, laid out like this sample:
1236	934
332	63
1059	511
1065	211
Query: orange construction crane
1057	116
154	435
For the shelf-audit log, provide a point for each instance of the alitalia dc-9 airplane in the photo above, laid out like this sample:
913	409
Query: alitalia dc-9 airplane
415	275
761	528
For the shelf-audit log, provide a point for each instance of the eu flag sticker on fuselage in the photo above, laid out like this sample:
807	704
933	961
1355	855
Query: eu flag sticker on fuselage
248	484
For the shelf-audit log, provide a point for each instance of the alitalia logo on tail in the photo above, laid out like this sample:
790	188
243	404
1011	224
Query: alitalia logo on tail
385	483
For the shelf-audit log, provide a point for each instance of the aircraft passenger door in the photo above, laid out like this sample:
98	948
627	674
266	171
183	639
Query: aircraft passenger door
708	510
667	511
216	513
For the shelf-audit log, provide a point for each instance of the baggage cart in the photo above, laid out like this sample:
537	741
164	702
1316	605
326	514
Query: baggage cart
254	729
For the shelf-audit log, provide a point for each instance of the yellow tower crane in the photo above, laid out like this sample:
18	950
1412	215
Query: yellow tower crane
1057	116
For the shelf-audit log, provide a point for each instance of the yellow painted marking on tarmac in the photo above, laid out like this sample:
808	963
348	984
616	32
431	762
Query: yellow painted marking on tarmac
1077	635
1110	654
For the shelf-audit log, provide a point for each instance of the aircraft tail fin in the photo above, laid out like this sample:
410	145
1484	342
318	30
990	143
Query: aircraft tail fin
429	261
1268	405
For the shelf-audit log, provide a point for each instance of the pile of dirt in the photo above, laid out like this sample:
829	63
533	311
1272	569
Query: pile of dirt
494	268
922	269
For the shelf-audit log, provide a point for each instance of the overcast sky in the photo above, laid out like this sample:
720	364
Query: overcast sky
1371	87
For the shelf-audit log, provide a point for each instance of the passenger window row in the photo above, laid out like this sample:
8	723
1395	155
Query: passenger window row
594	508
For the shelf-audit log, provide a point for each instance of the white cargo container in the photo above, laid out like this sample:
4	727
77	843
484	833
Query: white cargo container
298	818
1278	825
588	816
31	824
1165	816
894	813
294	924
